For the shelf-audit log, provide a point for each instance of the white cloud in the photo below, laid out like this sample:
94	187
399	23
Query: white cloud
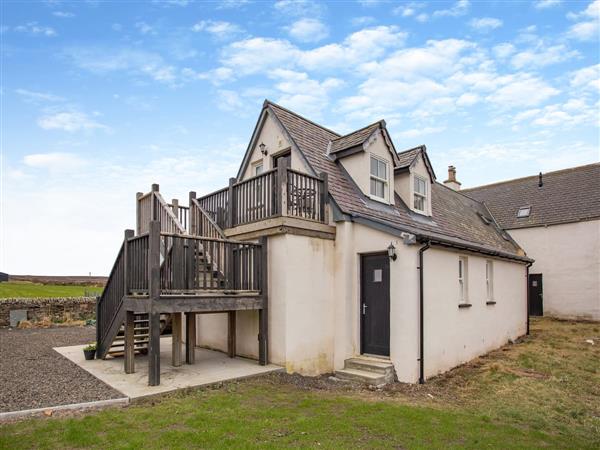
33	29
54	161
362	21
63	14
521	90
308	30
168	3
144	28
460	8
70	121
219	29
468	99
302	8
231	4
417	132
586	78
485	23
544	4
504	50
35	97
543	56
136	62
589	26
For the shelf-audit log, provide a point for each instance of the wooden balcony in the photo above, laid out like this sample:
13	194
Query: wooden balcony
278	198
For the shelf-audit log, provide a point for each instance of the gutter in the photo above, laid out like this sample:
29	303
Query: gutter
421	316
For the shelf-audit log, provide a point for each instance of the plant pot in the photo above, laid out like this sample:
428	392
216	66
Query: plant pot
89	354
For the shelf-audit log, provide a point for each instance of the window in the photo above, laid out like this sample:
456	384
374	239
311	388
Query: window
420	202
379	178
523	212
463	270
489	280
258	169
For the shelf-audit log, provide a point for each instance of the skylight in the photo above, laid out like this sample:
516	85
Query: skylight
523	212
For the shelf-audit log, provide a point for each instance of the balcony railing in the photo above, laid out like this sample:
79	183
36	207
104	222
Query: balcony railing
278	192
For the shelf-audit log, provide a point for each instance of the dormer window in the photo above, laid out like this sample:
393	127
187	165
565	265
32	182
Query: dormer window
379	178
420	194
523	212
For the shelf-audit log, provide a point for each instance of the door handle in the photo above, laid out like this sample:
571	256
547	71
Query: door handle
364	309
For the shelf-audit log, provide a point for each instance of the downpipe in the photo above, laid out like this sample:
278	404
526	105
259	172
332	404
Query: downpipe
421	315
529	264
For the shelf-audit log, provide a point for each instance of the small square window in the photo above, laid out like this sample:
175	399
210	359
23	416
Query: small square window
524	212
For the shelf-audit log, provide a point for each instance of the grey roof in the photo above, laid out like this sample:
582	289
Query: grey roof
568	195
355	138
406	157
455	217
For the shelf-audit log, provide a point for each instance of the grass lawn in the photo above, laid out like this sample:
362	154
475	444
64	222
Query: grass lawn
26	289
541	392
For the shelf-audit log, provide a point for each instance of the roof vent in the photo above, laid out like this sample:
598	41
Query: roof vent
523	212
540	180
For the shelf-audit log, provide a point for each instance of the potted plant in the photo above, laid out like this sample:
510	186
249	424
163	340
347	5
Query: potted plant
89	351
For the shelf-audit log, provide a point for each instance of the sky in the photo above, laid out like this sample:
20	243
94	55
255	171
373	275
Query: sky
100	99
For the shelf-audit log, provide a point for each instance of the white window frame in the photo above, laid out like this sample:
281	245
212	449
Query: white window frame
463	280
526	212
489	280
425	196
385	180
258	169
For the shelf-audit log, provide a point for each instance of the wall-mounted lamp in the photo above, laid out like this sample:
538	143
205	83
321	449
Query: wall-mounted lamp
263	148
392	252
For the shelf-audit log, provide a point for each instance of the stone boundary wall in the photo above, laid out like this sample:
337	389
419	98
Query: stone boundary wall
57	309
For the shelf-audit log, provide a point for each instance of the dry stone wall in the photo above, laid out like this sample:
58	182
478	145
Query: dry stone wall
56	309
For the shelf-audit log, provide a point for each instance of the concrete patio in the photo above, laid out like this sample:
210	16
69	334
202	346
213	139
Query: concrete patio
210	367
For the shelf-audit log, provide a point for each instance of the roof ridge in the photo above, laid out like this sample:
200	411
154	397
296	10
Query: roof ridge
269	102
377	122
421	147
496	183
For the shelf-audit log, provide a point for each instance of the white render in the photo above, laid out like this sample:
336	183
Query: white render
568	257
314	288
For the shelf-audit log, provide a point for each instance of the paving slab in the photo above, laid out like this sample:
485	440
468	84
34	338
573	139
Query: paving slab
210	367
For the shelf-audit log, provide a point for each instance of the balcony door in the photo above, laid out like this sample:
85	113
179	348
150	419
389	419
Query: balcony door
283	159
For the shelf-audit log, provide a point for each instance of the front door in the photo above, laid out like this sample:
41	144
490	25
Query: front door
375	304
284	159
536	295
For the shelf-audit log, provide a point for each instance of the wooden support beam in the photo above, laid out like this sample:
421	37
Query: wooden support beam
128	235
231	333
176	339
190	337
193	225
263	314
153	297
282	189
231	205
129	352
138	213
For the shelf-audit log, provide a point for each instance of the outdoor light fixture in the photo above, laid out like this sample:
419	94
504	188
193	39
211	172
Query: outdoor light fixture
392	252
263	148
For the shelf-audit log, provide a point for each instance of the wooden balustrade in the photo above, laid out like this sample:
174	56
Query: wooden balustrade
112	296
137	265
273	193
202	223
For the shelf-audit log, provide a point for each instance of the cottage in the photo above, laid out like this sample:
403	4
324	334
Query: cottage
556	218
340	253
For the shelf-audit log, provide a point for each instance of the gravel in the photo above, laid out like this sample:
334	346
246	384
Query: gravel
33	375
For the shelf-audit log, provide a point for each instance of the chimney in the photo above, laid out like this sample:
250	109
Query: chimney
451	181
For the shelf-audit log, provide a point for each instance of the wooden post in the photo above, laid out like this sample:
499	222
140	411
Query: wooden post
325	198
129	352
190	337
231	333
153	212
193	215
138	213
154	295
175	207
231	205
127	235
282	188
98	321
176	339
263	314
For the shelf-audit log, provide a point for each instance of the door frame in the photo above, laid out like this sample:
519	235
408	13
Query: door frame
360	298
529	295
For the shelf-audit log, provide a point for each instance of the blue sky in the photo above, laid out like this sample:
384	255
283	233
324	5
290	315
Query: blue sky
100	99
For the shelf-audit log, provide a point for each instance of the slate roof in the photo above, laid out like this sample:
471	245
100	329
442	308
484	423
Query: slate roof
353	139
406	157
455	218
568	195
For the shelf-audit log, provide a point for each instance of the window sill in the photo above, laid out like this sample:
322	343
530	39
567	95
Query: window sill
464	305
490	302
379	199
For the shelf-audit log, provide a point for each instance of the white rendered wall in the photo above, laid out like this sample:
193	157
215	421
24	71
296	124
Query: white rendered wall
568	257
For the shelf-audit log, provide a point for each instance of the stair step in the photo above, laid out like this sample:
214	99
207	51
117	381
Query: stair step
361	376
136	343
370	365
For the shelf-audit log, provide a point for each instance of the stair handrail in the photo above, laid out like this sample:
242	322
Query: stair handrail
152	206
197	215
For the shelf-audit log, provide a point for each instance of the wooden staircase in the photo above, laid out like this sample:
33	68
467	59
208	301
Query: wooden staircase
141	331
